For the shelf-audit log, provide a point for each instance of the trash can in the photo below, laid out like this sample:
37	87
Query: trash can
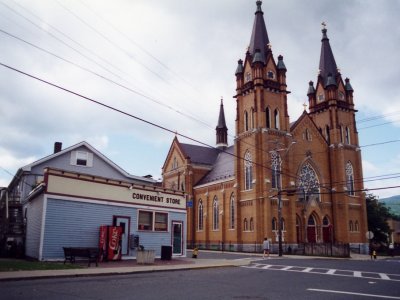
166	252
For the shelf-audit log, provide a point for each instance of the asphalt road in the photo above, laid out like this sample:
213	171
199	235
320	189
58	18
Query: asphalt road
263	279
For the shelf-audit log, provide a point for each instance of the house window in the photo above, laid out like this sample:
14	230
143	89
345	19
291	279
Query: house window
232	212
81	158
152	221
145	220
248	171
350	179
161	222
200	216
215	214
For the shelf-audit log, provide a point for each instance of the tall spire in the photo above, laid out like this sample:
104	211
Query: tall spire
259	36
327	64
221	129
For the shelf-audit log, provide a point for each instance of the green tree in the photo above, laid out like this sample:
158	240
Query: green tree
378	214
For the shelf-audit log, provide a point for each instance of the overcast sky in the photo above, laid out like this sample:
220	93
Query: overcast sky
170	62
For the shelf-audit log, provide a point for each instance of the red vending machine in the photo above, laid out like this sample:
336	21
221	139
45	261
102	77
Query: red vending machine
110	242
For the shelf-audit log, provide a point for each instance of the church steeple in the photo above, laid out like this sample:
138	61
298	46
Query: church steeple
327	65
221	129
259	36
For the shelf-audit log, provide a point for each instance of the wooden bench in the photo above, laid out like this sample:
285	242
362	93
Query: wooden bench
91	254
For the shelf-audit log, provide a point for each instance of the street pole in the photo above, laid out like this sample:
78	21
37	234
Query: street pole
280	251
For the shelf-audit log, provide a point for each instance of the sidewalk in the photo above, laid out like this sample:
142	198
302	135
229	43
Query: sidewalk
131	267
125	267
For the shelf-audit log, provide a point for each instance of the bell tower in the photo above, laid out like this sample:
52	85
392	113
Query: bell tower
331	107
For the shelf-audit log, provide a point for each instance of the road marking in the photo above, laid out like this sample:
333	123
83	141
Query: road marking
384	276
307	270
351	293
357	274
323	271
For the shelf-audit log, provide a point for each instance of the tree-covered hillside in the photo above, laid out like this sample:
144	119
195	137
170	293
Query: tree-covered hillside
393	203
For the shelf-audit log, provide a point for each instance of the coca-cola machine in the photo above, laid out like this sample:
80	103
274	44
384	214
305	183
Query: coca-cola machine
110	242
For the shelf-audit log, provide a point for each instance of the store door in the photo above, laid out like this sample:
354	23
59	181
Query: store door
123	222
177	238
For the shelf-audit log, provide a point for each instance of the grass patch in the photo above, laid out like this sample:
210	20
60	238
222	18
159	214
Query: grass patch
8	265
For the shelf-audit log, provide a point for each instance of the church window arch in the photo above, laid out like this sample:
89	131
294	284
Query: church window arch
350	179
274	224
245	225
356	226
200	215
307	135
252	118
276	169
347	136
248	171
232	212
351	226
246	120
215	214
248	76
251	224
308	183
311	229
267	117
327	134
276	119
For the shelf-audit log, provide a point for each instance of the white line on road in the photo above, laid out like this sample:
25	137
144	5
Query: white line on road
357	274
331	271
286	268
384	276
351	293
307	270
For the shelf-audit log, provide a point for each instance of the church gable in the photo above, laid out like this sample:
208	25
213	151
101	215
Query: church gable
175	157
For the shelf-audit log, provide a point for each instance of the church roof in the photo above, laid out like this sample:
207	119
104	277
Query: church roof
200	154
259	36
223	168
327	63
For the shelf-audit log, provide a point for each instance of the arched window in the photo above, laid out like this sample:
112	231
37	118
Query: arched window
267	117
283	224
351	227
308	183
248	171
251	224
311	230
275	169
276	119
350	179
347	136
341	134
356	226
274	224
307	135
252	118
246	120
200	215
232	212
245	225
327	134
215	214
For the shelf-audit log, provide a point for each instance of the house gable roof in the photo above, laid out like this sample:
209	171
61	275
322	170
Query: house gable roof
113	165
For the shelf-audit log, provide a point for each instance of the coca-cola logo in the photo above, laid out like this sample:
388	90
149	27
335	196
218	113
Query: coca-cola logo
114	241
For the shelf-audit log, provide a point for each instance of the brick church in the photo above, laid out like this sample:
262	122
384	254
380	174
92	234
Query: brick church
295	182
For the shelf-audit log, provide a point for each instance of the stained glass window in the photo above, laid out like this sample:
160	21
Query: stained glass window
350	179
308	183
248	171
276	169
